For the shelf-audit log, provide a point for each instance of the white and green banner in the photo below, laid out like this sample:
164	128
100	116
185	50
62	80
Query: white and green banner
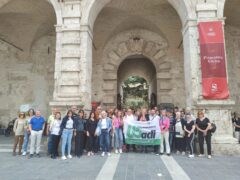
142	133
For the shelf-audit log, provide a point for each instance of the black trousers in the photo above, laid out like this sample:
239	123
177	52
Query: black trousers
207	138
179	144
55	143
190	144
91	143
79	143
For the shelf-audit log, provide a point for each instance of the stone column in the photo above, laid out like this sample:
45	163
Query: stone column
86	66
218	111
68	73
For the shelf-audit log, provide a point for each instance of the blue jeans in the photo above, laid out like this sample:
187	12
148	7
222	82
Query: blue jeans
26	140
105	140
49	143
67	140
118	138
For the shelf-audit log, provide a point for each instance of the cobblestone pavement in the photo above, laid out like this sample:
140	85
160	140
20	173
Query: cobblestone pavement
127	166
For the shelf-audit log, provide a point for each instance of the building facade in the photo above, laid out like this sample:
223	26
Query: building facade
58	53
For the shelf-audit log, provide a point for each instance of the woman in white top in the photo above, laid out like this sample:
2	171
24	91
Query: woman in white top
55	133
67	128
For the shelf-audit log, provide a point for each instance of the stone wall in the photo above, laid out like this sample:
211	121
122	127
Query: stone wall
26	79
232	36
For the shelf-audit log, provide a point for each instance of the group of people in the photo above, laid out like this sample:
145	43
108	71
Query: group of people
103	131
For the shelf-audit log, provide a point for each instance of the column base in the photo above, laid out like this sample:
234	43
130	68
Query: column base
225	145
219	112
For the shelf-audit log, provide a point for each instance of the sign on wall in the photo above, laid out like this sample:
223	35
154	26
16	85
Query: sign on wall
213	64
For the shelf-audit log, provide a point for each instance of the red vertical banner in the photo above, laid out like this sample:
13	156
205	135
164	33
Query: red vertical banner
213	64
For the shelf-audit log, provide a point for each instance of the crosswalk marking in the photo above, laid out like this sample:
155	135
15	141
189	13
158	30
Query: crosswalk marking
108	170
175	170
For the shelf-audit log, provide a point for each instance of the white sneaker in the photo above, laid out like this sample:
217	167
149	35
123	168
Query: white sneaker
116	151
24	153
183	153
109	154
178	152
120	151
191	156
103	154
89	154
209	157
69	156
64	158
200	155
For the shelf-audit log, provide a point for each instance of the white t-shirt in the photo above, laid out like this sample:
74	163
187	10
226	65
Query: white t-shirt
104	123
55	127
130	118
69	124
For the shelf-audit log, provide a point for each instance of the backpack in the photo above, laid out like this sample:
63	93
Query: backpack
213	128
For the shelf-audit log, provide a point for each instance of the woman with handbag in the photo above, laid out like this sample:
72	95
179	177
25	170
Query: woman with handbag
204	132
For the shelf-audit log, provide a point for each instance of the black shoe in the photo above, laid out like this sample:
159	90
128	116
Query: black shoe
168	154
30	156
161	154
53	157
38	155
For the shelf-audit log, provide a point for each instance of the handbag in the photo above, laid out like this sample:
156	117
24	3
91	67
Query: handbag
213	128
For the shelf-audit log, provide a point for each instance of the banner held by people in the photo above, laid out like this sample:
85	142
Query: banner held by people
142	133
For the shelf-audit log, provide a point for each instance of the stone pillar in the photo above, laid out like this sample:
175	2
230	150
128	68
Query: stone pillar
218	111
86	66
68	69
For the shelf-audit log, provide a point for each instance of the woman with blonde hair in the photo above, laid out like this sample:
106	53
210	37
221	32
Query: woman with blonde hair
203	126
18	129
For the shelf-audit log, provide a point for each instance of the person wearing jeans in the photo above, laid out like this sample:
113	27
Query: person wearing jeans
117	124
164	126
203	126
31	113
36	127
68	127
189	128
104	126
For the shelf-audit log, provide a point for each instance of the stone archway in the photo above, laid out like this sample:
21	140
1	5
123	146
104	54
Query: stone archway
130	43
185	9
27	55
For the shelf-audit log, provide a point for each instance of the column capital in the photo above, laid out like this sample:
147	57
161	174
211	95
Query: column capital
86	28
188	23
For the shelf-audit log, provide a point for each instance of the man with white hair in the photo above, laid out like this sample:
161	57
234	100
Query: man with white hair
36	127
